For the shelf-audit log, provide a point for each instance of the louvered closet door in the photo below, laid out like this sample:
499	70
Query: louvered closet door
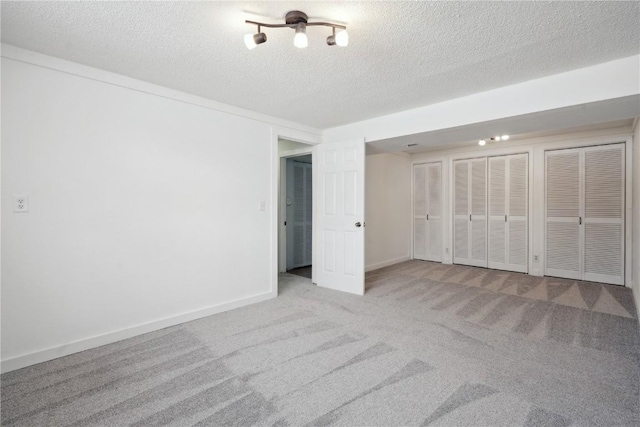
498	212
461	221
478	201
508	219
563	211
420	212
434	212
517	212
470	212
603	225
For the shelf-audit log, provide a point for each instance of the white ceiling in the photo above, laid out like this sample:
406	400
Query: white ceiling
401	54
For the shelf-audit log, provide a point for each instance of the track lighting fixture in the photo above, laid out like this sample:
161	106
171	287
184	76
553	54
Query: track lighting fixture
299	22
483	142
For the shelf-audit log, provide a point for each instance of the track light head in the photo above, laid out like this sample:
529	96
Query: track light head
253	40
341	38
300	39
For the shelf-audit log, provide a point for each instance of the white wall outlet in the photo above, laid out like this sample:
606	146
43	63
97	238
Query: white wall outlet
446	250
21	204
536	258
262	205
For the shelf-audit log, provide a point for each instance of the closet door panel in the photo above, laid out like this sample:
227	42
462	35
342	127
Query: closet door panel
517	212
478	212
497	213
419	212
603	213
434	212
461	229
563	198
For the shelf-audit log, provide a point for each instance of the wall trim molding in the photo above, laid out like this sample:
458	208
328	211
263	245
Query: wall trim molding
68	67
386	263
112	337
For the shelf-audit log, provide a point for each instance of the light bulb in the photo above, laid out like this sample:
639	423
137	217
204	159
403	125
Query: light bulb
253	40
300	39
505	137
342	38
482	142
249	42
496	138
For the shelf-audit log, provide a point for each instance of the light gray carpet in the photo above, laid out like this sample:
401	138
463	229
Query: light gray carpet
413	351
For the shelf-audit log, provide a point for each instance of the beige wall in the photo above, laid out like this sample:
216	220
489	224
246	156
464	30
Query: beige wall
388	210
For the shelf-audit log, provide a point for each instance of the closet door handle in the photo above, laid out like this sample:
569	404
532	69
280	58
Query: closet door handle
427	217
505	218
580	220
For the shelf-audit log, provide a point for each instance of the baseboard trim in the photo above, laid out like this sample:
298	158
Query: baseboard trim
387	263
100	340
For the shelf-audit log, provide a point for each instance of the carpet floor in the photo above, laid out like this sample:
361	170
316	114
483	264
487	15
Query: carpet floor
428	344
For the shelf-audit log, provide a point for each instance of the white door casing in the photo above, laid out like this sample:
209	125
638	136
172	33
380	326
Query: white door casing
338	220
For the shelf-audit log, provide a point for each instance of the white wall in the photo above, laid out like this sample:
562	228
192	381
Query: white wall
636	215
387	210
143	211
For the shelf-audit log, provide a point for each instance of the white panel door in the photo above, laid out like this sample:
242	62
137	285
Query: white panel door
434	212
564	241
338	195
603	213
420	212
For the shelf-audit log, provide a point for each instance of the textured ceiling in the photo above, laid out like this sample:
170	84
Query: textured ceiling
401	54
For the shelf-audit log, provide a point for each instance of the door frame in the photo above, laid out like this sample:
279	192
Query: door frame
276	212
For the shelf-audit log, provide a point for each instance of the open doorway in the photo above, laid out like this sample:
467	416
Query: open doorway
299	215
295	213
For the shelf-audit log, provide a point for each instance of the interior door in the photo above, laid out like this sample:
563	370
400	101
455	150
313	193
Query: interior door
338	220
564	241
478	203
603	225
461	216
518	213
434	212
420	212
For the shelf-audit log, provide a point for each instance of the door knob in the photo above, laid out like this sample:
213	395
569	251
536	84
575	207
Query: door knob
358	224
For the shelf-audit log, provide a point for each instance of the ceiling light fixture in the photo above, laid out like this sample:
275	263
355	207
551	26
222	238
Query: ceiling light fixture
298	21
483	142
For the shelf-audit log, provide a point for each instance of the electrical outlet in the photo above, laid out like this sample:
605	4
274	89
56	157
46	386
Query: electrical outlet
536	258
20	204
446	250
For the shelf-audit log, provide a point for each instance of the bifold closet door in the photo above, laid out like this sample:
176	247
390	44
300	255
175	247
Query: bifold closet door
603	226
470	212
585	213
508	212
420	212
427	212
